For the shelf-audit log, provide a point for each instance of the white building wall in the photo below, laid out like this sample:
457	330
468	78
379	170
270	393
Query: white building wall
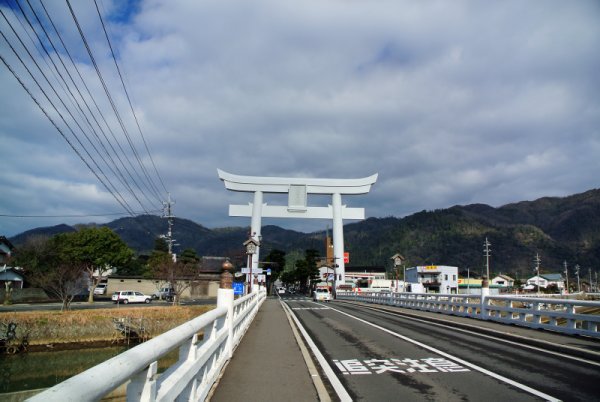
447	276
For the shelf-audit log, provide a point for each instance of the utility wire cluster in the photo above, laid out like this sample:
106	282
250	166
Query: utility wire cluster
57	77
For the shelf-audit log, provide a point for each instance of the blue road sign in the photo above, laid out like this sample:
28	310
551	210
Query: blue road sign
238	288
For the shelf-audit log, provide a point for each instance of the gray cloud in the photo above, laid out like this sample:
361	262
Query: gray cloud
452	103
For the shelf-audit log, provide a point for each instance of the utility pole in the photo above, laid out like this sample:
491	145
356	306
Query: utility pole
486	252
167	213
566	274
577	273
537	261
591	289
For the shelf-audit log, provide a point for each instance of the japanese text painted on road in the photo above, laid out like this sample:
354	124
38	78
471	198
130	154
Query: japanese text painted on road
402	366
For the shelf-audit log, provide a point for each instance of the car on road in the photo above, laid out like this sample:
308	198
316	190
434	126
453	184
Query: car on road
167	294
321	294
281	290
130	296
100	289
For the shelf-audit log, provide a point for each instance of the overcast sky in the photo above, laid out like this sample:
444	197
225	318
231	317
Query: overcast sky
450	102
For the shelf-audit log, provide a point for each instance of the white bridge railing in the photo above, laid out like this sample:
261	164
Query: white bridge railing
559	315
205	344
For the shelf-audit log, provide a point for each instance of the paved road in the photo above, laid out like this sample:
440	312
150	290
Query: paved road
380	356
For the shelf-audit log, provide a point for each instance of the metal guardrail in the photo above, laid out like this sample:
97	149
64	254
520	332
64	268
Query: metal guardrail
574	317
205	344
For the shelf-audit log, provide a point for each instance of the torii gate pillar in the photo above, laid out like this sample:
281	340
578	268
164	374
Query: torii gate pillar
298	190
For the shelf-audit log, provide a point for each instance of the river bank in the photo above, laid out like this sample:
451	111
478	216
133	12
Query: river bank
55	330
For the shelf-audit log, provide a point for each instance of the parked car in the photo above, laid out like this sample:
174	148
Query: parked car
100	289
165	294
321	294
281	290
130	296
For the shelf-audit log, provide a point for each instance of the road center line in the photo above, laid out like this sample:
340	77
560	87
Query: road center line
459	360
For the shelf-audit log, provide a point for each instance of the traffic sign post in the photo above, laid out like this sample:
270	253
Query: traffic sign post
238	288
254	271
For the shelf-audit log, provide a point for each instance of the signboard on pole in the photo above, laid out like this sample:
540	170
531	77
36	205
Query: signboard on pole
238	288
254	271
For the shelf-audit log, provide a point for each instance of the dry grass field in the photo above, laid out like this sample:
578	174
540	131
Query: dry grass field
84	326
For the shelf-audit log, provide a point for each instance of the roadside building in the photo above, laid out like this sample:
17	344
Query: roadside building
12	276
432	278
364	274
472	286
203	284
546	280
503	281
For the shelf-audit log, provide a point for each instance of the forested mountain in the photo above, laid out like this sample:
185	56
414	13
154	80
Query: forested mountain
559	229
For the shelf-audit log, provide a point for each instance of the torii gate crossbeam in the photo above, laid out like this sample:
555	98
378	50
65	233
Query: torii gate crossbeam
298	190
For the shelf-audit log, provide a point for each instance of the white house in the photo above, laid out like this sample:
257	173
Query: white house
504	281
545	280
433	278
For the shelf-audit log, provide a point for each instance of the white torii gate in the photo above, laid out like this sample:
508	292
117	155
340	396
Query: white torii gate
298	190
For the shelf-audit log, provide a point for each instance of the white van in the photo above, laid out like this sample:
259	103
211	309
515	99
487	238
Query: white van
321	294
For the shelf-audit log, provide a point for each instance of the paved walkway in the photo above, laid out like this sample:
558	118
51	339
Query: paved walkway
268	365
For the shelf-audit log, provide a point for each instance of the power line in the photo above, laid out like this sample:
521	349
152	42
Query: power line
128	99
70	216
97	108
118	173
81	149
122	202
108	182
109	96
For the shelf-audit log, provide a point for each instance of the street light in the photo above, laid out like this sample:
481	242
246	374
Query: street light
398	259
251	246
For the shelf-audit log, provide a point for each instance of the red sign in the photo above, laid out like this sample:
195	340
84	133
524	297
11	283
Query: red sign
346	258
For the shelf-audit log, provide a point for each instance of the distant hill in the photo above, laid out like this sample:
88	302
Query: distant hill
559	229
45	231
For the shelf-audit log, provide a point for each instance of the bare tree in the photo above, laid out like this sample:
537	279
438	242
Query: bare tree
178	275
64	281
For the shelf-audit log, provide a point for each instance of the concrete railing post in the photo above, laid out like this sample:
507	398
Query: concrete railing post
225	299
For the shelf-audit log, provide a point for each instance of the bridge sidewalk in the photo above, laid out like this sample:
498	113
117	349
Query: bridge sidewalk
268	365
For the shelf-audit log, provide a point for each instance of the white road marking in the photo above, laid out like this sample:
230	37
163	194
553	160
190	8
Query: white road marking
459	360
333	379
495	338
